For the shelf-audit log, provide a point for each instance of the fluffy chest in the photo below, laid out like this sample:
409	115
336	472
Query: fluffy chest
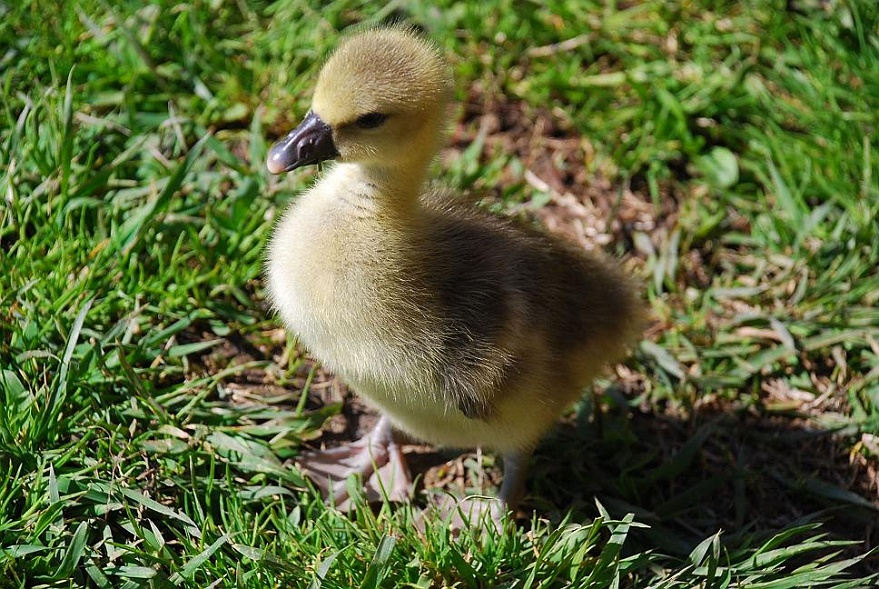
335	277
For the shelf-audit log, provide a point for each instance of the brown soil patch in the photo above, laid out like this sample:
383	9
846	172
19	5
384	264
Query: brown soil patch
576	201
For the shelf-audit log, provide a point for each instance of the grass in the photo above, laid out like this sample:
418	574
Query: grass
149	405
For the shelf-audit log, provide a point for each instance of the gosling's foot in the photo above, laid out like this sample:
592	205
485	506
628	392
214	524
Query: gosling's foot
377	459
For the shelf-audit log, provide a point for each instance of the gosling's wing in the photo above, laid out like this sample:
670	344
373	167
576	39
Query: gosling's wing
504	290
476	265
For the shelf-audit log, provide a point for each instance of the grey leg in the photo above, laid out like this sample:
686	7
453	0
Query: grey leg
515	473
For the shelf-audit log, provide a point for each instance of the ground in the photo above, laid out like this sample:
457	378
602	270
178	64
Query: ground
151	405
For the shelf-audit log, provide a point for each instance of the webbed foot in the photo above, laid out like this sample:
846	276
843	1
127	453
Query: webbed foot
376	458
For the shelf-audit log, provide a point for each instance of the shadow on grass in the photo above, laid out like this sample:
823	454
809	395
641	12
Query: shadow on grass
749	475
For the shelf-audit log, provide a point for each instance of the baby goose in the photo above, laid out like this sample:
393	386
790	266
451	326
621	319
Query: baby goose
462	329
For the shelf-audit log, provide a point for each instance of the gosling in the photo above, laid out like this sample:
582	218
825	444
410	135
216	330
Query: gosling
462	329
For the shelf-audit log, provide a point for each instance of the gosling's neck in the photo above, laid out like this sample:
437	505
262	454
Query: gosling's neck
387	193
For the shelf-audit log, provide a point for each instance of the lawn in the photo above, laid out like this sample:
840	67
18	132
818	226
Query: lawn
151	405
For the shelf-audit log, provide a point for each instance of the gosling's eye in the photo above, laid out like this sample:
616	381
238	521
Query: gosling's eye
371	120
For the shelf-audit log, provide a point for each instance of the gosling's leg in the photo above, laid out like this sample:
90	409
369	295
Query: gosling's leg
515	473
377	458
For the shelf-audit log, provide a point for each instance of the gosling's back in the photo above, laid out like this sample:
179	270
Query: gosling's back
515	301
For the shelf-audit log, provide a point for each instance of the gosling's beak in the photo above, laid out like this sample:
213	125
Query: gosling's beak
309	143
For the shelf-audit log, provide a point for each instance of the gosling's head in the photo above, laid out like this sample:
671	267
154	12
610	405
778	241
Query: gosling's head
381	100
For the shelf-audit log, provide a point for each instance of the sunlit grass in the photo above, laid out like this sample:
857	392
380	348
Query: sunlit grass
134	212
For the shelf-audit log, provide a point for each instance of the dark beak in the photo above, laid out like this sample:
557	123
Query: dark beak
309	143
